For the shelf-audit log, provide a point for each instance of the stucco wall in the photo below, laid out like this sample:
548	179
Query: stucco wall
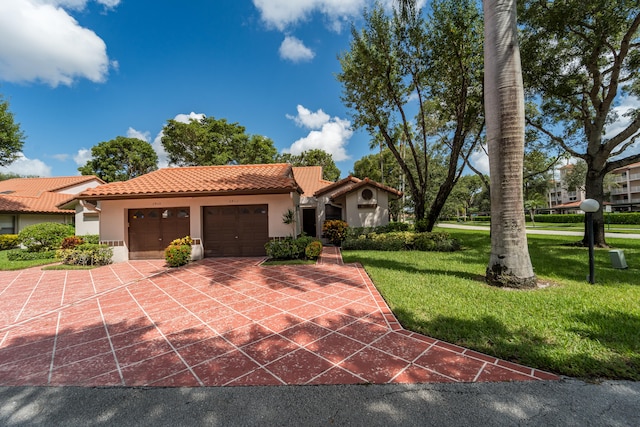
25	220
113	215
77	189
367	213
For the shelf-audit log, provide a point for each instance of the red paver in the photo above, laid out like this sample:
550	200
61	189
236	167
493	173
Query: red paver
219	322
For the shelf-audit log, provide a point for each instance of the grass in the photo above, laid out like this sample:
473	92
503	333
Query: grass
569	327
608	228
69	267
5	264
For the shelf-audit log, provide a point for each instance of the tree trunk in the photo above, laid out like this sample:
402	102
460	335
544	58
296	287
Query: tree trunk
594	190
509	262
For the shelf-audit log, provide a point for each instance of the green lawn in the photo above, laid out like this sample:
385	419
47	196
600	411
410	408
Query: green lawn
569	327
5	264
608	228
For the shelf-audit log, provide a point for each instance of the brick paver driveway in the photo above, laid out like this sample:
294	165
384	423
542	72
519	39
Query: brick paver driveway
218	322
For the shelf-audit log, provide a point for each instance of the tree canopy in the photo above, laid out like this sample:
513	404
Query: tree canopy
417	85
11	137
120	159
212	141
580	59
315	157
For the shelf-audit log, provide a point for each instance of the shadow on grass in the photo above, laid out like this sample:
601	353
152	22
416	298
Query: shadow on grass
519	345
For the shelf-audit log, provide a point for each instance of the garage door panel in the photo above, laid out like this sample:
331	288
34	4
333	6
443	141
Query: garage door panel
152	230
231	231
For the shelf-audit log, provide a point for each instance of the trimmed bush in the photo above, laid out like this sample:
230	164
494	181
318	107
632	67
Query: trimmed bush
420	226
71	242
335	230
289	248
91	238
313	250
23	255
86	254
45	236
178	253
400	241
8	241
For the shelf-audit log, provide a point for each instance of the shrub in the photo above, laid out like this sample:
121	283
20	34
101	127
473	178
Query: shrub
313	250
86	254
178	253
45	236
420	226
8	241
71	242
289	248
91	238
405	240
22	255
335	230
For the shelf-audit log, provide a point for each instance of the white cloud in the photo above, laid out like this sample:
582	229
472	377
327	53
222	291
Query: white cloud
24	166
333	134
480	161
82	157
61	157
132	133
308	119
186	118
285	13
627	105
294	50
41	42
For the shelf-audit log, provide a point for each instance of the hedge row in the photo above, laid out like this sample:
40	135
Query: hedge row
629	218
290	248
87	254
403	240
8	241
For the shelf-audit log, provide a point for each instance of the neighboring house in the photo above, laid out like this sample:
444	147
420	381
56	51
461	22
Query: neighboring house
359	202
28	201
229	211
626	195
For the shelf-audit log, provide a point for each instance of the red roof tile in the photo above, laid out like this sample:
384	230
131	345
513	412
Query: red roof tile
38	195
201	180
310	179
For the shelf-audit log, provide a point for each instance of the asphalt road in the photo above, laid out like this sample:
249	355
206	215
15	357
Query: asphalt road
546	403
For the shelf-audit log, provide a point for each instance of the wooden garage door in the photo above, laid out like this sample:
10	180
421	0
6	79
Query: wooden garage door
235	231
151	230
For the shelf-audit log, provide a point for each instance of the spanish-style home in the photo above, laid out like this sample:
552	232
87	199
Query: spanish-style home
229	211
28	201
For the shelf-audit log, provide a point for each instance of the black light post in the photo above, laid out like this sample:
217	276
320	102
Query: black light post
589	206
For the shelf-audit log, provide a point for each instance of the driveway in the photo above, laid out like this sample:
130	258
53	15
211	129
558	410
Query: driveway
215	322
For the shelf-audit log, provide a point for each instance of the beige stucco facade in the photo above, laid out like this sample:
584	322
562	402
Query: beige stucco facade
113	227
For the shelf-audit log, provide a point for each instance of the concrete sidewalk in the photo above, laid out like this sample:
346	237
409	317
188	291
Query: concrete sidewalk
542	403
541	231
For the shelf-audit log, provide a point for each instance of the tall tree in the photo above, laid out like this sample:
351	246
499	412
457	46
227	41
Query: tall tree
581	57
11	137
315	157
212	141
120	159
402	64
509	261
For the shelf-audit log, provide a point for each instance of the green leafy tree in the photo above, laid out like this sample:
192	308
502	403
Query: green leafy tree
315	157
212	141
120	159
580	57
509	260
403	63
11	137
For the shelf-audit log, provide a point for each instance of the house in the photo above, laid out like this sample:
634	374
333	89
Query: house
229	211
28	201
625	196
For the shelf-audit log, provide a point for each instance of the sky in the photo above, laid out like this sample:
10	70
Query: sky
79	72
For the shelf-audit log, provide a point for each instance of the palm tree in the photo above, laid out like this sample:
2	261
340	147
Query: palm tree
509	261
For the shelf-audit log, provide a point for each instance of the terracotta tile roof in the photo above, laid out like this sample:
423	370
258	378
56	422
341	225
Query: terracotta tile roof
201	181
38	195
347	182
310	179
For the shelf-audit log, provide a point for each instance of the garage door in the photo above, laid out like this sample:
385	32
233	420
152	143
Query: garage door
235	231
151	230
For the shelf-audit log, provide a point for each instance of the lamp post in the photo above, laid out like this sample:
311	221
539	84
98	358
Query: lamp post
589	206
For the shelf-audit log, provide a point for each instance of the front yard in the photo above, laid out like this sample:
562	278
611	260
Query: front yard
567	327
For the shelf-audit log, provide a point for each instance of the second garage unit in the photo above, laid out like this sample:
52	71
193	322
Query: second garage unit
235	231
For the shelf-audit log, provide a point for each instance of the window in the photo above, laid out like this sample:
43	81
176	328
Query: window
332	212
7	224
367	194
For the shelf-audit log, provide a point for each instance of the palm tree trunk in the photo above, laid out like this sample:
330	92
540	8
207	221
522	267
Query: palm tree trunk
509	262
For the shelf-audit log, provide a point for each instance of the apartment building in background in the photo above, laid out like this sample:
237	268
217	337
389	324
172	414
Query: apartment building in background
625	196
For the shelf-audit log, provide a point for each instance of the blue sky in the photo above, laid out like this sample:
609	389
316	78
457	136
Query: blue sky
78	72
